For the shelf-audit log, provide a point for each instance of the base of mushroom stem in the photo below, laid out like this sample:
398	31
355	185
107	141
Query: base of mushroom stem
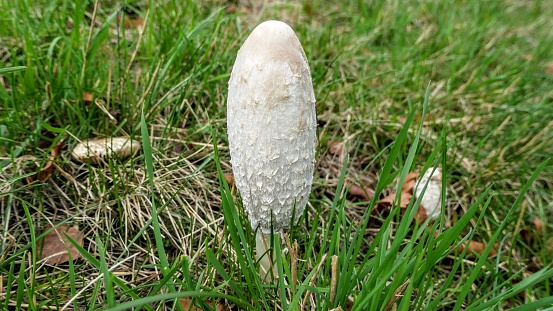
263	254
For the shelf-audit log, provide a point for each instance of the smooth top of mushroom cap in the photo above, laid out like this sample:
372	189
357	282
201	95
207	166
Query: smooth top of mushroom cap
272	126
273	39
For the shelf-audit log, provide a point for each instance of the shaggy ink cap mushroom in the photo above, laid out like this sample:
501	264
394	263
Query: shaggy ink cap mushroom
271	123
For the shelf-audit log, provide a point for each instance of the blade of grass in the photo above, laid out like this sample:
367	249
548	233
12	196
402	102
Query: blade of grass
480	263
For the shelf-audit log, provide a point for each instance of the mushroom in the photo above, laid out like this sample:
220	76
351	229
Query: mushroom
99	149
271	123
431	198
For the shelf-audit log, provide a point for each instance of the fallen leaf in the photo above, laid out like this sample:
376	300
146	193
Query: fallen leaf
410	182
365	193
478	248
55	245
229	177
97	150
48	170
421	215
336	148
87	97
405	199
539	225
407	192
132	21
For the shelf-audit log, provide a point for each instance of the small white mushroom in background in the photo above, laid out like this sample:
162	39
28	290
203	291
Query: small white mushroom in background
271	121
431	199
96	150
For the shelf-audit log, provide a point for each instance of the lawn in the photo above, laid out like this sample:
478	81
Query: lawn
401	87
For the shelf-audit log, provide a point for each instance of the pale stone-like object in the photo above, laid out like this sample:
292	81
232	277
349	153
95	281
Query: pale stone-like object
96	150
431	199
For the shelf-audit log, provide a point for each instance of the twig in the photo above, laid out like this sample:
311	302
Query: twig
334	276
312	283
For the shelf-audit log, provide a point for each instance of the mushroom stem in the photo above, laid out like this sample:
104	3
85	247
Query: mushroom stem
263	255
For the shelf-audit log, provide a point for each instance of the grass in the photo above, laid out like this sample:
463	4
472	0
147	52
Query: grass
403	85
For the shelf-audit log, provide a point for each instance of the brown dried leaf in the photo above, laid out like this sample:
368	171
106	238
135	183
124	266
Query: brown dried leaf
421	215
87	97
410	182
336	148
405	199
133	21
539	225
229	177
365	193
46	172
56	242
478	248
406	195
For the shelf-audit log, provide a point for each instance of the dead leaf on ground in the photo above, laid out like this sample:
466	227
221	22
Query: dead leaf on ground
188	305
56	242
358	191
87	98
337	148
406	195
410	182
387	201
132	21
229	177
48	170
539	225
478	248
413	185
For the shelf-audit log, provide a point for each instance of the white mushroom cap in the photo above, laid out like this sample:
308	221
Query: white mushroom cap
271	122
431	199
99	149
